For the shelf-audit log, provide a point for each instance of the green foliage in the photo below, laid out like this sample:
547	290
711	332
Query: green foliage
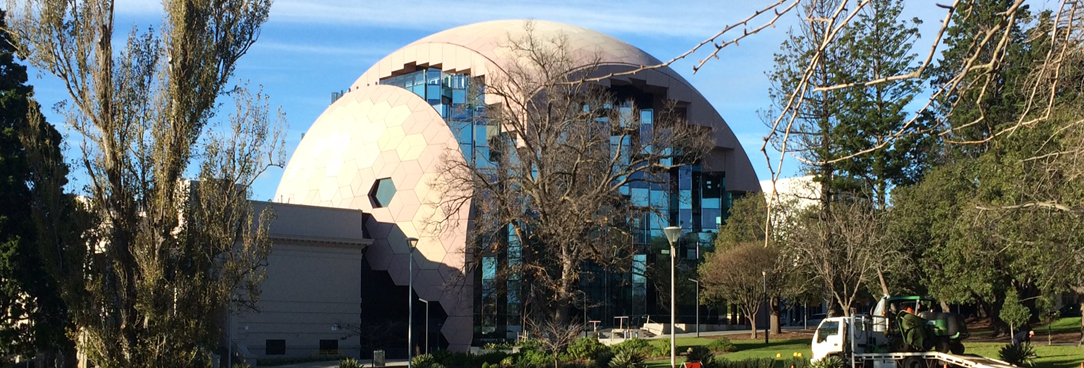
455	359
751	363
660	347
586	347
503	345
744	222
796	363
701	354
31	171
1012	312
722	344
353	363
627	357
829	362
241	365
602	360
533	359
529	344
426	361
1022	355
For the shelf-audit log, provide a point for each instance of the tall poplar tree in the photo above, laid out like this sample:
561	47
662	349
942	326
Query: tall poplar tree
168	256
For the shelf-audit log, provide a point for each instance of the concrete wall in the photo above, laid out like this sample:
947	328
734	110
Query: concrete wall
313	284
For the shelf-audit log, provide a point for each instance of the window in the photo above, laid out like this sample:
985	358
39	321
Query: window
329	347
382	192
827	329
275	347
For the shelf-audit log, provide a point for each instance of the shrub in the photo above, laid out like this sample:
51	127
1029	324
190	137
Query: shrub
529	344
241	365
452	359
796	363
349	363
493	358
749	363
585	347
534	359
628	358
701	354
640	346
1022	355
828	362
722	344
602	360
504	345
425	361
660	348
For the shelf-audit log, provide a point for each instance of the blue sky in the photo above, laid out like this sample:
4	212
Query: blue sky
311	48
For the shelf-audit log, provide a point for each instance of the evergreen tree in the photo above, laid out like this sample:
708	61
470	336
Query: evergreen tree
817	117
879	45
35	320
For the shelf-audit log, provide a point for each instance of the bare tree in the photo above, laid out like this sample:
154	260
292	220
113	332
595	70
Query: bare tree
842	247
554	186
555	337
168	256
740	275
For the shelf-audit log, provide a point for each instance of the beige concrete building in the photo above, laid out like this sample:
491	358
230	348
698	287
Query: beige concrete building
313	285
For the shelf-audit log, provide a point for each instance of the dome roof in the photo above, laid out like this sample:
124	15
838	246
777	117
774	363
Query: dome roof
481	47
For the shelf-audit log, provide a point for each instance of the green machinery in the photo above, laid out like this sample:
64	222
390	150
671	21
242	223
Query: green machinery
916	323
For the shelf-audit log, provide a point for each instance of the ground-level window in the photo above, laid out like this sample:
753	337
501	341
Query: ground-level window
276	347
329	347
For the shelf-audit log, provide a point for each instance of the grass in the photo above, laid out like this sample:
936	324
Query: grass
1062	325
747	349
1049	356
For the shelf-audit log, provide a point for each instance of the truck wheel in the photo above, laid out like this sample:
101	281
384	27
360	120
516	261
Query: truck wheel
956	347
942	345
913	362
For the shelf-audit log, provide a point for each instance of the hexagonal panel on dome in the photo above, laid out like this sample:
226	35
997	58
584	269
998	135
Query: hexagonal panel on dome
382	192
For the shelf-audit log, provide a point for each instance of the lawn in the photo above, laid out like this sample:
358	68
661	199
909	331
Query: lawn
747	349
1049	356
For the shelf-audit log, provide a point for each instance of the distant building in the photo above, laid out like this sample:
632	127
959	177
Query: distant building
376	150
800	190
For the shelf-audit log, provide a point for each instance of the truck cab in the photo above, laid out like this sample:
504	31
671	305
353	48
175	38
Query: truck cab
834	336
829	339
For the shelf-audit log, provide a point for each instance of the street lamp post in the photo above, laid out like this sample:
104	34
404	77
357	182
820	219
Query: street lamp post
411	243
697	282
767	306
426	324
672	235
584	311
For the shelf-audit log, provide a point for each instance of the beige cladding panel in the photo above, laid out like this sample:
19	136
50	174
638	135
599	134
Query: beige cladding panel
384	132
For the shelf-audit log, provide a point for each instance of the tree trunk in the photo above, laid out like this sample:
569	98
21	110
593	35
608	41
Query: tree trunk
753	325
774	324
1081	342
774	319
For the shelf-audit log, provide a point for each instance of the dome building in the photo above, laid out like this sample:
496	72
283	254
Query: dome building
378	149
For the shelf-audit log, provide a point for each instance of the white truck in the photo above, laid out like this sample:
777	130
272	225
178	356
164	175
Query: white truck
862	341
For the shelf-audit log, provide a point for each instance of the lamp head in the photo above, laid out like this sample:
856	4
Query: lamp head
412	242
672	234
